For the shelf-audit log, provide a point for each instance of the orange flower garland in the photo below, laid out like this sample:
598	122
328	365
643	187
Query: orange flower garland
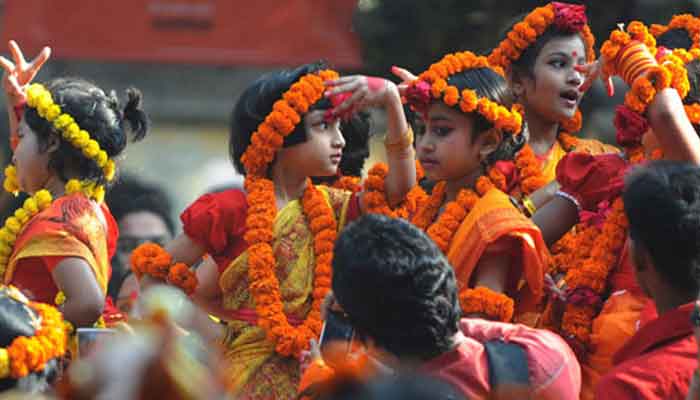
262	211
693	112
151	259
349	183
30	354
687	22
482	300
436	77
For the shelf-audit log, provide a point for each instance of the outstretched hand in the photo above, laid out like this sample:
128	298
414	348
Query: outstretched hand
593	71
363	91
19	73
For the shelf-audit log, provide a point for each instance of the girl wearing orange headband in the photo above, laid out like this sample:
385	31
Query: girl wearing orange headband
273	242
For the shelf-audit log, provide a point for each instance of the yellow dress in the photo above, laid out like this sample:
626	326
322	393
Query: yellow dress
254	369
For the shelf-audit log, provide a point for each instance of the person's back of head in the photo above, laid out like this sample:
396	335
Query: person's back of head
662	203
396	287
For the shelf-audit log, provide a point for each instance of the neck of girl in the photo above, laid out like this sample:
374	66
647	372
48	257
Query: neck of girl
288	184
56	186
543	132
463	182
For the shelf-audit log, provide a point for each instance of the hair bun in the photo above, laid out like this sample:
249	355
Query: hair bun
132	112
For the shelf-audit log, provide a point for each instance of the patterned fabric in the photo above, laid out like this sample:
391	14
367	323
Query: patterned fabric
73	226
255	371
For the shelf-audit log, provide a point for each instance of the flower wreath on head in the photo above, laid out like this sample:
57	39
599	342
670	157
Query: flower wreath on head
568	18
422	209
40	99
264	285
29	354
687	22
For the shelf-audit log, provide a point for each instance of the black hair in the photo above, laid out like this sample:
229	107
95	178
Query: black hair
488	84
662	203
17	319
401	387
675	39
396	287
256	103
131	194
96	112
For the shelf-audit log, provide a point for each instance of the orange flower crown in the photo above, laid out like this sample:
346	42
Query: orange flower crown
687	22
26	355
566	17
286	114
432	84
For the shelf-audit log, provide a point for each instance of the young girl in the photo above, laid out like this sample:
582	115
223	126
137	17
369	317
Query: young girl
65	135
497	253
273	243
602	302
540	55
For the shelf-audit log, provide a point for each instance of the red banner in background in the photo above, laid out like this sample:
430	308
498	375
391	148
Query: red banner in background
218	32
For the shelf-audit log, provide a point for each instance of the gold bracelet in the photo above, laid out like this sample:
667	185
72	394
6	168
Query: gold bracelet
399	146
529	206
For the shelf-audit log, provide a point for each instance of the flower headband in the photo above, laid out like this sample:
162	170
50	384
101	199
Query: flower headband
687	22
566	17
286	114
432	84
39	98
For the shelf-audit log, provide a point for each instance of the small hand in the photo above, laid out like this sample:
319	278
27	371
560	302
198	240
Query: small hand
406	77
365	91
593	71
18	74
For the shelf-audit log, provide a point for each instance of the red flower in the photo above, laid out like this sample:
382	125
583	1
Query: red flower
418	96
630	126
569	17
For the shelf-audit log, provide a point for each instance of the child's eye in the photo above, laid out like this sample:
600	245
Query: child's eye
441	130
558	63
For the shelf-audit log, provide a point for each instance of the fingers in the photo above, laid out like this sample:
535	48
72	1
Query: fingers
403	74
16	53
610	87
38	61
356	98
345	86
314	350
6	64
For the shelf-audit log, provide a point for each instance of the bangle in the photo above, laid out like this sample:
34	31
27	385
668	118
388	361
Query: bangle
570	198
633	61
529	206
400	145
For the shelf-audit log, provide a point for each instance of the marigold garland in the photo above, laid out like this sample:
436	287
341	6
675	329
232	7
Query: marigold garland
262	210
151	259
349	183
436	79
687	22
482	300
26	355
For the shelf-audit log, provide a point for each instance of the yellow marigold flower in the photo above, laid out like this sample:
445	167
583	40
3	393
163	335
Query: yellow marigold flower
4	363
101	158
53	112
91	148
62	121
22	215
73	186
99	193
110	169
60	298
31	206
81	139
13	225
43	198
5	250
71	131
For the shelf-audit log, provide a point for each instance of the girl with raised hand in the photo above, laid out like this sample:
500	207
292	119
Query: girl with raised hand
273	242
65	135
498	254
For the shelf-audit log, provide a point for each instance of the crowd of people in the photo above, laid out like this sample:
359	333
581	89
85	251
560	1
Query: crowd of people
495	255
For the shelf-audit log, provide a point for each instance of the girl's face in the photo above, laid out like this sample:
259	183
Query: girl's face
447	150
552	91
320	154
31	160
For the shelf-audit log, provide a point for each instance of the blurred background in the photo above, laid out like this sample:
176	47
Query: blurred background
192	58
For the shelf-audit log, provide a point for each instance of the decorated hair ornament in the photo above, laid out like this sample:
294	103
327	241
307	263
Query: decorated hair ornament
432	85
687	22
566	17
27	355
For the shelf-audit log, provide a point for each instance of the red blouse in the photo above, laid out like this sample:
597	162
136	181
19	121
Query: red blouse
216	221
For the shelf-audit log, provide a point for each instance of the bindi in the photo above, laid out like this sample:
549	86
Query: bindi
574	54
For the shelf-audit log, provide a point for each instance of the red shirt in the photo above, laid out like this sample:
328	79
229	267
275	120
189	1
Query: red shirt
657	362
